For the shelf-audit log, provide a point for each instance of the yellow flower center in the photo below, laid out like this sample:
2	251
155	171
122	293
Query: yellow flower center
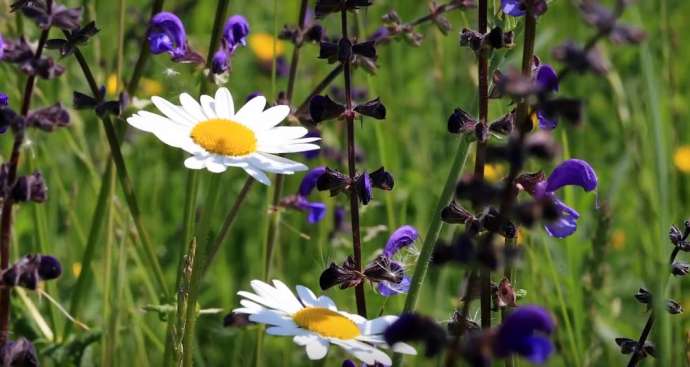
262	44
326	323
224	137
682	158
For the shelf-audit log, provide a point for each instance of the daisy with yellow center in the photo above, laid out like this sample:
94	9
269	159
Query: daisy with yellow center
218	137
263	46
315	322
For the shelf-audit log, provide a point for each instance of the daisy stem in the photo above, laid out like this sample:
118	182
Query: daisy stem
352	170
433	232
8	203
203	260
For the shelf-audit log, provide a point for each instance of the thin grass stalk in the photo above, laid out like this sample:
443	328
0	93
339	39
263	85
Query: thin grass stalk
8	203
144	54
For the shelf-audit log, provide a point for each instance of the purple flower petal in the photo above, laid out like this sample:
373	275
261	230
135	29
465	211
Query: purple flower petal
546	123
523	332
566	224
317	211
388	289
167	34
547	78
513	7
309	181
572	172
220	62
2	47
235	31
4	100
402	237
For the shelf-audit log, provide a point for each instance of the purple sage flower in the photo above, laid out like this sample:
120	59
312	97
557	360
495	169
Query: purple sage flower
315	210
167	34
235	32
399	239
513	8
220	62
547	79
4	99
571	172
2	47
525	332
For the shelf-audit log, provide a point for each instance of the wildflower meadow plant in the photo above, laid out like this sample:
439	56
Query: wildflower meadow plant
468	182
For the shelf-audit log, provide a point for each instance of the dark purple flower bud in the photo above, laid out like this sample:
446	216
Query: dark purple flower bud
496	39
324	108
471	39
505	294
345	50
4	100
64	18
381	35
44	67
629	346
675	235
315	33
579	60
461	122
513	84
673	307
387	289
366	49
347	275
462	250
328	51
541	145
30	188
680	268
478	191
309	181
48	118
524	332
623	34
411	327
220	62
493	221
518	8
382	179
363	188
325	7
74	38
348	363
568	108
9	118
29	270
455	213
333	181
600	17
383	269
237	320
167	34
529	181
401	237
504	125
373	108
20	353
282	66
235	32
643	296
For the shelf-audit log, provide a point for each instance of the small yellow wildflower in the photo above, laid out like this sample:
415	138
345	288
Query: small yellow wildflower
682	158
618	239
76	269
494	172
151	87
262	44
112	85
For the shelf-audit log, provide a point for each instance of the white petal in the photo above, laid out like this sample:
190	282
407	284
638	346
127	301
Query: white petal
250	112
292	304
258	175
208	106
215	167
364	352
175	113
377	325
291	148
270	303
404	348
307	296
195	162
272	117
271	317
225	107
274	163
317	349
282	331
305	338
192	107
282	134
326	302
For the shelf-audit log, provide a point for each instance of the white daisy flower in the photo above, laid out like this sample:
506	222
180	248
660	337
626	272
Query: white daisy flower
315	323
218	137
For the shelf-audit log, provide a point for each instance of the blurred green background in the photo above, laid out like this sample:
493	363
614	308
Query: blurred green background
636	119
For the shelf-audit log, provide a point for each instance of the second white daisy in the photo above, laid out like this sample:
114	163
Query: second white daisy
315	323
218	138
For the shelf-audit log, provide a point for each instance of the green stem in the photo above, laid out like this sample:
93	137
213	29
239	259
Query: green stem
203	260
433	232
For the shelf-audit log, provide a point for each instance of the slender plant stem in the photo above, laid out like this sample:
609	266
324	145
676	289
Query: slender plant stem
144	54
480	157
352	170
203	259
636	356
8	203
